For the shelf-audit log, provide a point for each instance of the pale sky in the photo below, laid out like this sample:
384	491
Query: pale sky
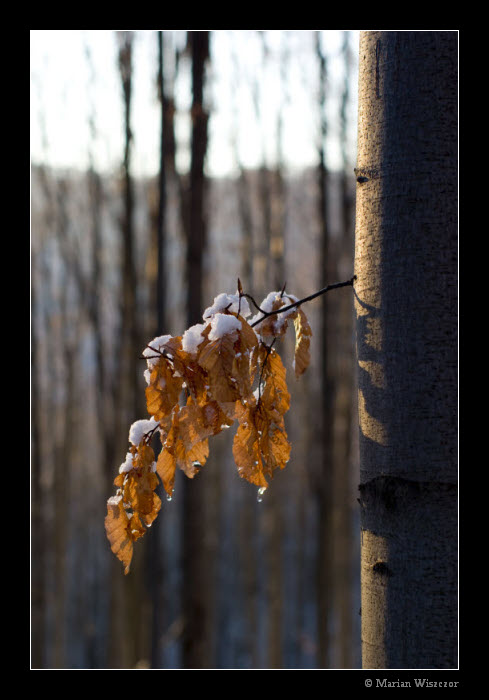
64	94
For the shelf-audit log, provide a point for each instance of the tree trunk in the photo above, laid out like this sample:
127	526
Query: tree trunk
195	565
129	640
38	543
343	497
406	305
324	487
155	563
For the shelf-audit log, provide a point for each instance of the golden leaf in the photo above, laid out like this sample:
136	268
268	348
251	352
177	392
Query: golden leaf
217	359
275	393
197	422
276	324
303	334
242	368
165	466
118	532
246	450
140	484
190	461
260	444
163	392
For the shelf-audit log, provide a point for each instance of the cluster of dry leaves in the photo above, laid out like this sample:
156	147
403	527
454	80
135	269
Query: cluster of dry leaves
237	376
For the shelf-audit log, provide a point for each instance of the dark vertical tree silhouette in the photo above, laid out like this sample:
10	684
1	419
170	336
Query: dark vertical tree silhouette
406	303
261	253
104	391
195	566
242	186
155	559
324	482
38	609
129	281
344	371
129	642
279	189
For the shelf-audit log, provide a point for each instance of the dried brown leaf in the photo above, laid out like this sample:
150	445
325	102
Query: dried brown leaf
303	335
275	394
260	445
166	466
140	484
163	392
118	532
217	359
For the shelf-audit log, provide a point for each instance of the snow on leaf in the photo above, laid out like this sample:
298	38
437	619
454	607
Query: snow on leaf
137	431
223	324
228	302
275	325
192	338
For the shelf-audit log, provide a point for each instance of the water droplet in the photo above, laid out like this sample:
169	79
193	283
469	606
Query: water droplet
261	491
169	496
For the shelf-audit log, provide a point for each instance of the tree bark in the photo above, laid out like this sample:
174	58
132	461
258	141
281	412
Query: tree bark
406	307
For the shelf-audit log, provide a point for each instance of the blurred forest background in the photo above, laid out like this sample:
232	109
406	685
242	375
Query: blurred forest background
165	165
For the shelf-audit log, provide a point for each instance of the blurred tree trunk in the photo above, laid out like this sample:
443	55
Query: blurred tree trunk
104	390
196	568
243	190
406	303
156	571
247	527
107	371
278	214
343	528
324	485
261	247
130	335
62	452
38	602
45	354
277	222
246	220
129	619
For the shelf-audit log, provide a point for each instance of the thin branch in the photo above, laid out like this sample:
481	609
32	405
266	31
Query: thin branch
161	353
148	436
295	304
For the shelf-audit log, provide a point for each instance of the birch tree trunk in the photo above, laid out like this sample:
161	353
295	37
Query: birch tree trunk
406	306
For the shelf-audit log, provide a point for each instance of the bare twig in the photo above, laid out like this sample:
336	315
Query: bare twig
295	304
